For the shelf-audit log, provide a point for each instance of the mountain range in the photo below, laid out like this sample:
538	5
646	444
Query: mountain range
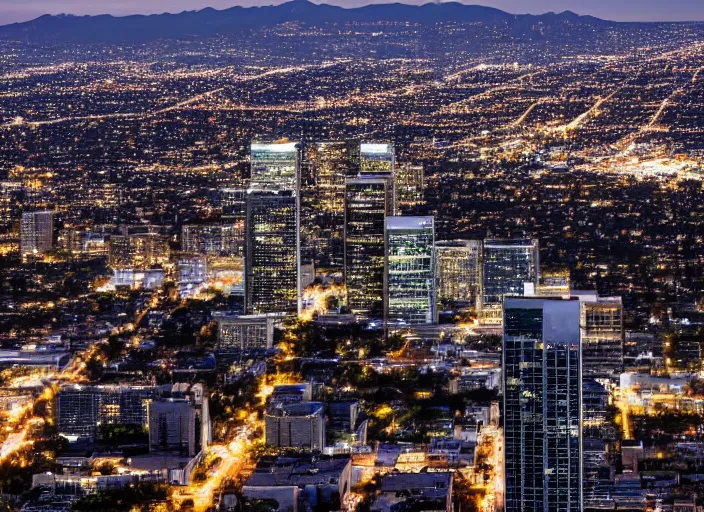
235	20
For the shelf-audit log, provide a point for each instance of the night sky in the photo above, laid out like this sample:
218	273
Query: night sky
622	10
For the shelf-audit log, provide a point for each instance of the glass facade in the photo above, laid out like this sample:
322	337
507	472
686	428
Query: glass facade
366	208
324	170
602	338
602	365
542	405
376	158
272	230
459	271
36	232
410	271
271	279
274	166
410	185
80	410
508	265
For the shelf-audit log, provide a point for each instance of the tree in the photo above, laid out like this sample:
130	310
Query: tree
106	468
209	333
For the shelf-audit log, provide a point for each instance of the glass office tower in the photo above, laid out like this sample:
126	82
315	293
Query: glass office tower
602	336
274	166
272	230
602	364
409	286
378	160
324	169
410	185
542	405
459	268
366	208
508	266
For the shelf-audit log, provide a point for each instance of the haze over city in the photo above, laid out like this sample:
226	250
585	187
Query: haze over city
12	11
390	258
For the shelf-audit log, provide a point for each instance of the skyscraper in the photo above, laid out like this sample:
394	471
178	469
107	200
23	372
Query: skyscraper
271	261
508	266
542	405
36	232
602	364
459	268
409	277
366	208
602	336
409	182
378	160
274	166
272	230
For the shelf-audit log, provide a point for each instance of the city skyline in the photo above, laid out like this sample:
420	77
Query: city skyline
402	258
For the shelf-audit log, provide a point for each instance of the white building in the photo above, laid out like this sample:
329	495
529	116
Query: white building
36	232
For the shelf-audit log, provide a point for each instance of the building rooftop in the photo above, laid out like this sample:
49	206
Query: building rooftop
397	482
295	409
409	222
292	471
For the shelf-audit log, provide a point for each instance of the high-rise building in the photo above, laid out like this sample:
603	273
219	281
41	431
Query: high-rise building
324	170
542	405
119	254
274	166
272	230
246	332
232	198
459	268
509	265
602	339
36	232
597	432
378	160
366	208
602	336
10	202
409	277
409	181
272	264
149	249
